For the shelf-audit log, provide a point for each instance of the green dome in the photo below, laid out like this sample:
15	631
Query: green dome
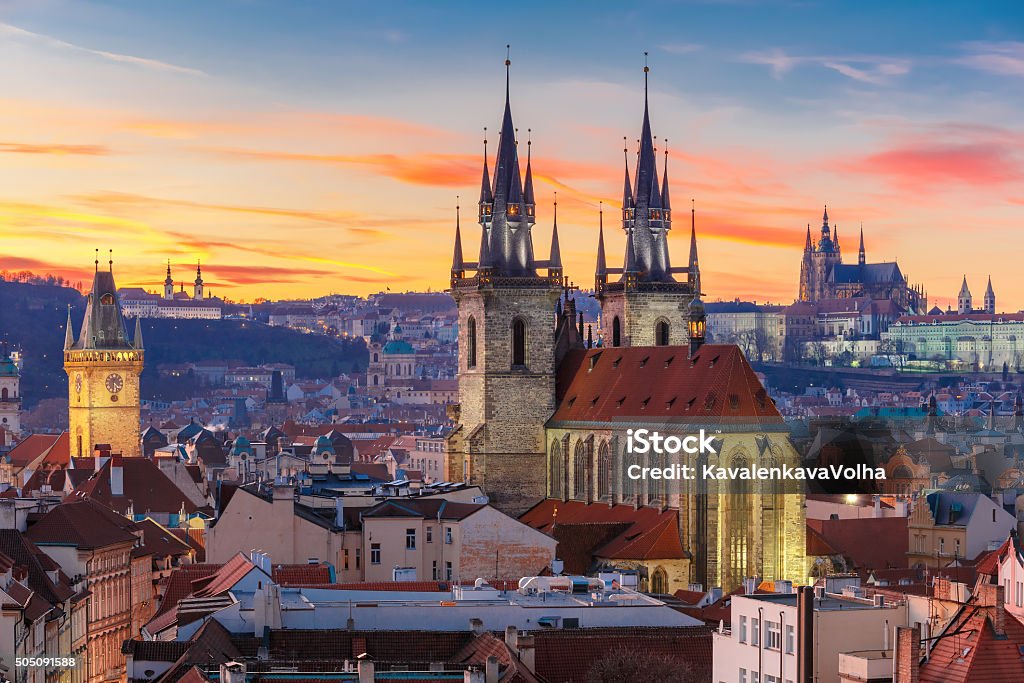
398	347
8	368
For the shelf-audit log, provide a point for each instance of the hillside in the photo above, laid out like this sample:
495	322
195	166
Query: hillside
32	317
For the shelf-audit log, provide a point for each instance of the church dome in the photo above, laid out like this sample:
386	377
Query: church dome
8	367
398	347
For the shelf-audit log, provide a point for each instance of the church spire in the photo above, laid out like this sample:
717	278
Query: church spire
601	271
137	339
528	189
665	203
861	257
807	244
694	262
458	267
69	335
627	189
486	196
555	261
835	236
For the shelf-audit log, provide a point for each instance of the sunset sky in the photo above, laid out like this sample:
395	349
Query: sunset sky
300	149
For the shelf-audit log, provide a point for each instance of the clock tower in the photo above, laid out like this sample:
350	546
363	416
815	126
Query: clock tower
103	368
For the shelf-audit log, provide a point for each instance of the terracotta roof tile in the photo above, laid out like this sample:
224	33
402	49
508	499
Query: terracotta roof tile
870	543
659	382
82	523
977	653
146	488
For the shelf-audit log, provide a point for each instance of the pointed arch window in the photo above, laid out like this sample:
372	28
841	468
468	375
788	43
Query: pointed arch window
471	342
661	330
580	470
604	472
616	331
518	343
555	471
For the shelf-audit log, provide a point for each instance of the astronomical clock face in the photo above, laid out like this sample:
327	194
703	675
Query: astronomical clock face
114	383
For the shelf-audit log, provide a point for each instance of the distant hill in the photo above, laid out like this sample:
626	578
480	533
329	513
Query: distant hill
33	316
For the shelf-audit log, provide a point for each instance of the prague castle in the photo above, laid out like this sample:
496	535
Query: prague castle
823	275
543	408
103	367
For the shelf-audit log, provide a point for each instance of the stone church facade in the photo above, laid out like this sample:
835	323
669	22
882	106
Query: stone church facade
543	407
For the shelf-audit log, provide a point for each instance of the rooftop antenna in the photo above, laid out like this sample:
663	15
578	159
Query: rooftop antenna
110	261
97	260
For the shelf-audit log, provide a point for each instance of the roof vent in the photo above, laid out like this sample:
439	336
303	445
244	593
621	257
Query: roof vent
618	404
644	360
668	361
594	402
643	404
668	403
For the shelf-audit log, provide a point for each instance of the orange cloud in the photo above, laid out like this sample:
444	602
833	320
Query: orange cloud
936	166
28	148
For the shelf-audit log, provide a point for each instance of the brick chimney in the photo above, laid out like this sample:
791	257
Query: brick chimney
116	475
491	674
365	667
993	597
908	654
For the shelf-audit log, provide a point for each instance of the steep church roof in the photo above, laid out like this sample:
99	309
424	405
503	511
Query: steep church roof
104	326
657	383
867	273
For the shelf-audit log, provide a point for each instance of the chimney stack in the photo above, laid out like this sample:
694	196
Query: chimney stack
491	674
908	655
805	634
365	668
232	672
116	476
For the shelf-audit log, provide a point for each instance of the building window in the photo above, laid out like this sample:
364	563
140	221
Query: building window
433	570
772	635
447	571
430	534
555	471
580	469
661	333
375	553
447	535
616	331
359	555
346	559
755	631
743	675
410	539
471	342
659	581
604	472
743	629
790	640
518	342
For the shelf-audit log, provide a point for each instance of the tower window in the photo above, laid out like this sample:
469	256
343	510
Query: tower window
616	331
661	333
518	342
107	299
471	342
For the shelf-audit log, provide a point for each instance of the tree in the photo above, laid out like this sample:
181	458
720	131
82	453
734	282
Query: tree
817	351
625	665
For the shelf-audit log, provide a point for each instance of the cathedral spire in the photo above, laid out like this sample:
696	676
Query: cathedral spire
69	335
458	265
137	339
835	236
627	190
861	257
601	272
528	189
486	196
665	203
807	244
694	262
555	261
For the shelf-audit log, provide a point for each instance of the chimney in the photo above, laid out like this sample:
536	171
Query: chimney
491	670
476	626
528	652
471	675
992	597
364	665
908	655
232	672
116	476
512	638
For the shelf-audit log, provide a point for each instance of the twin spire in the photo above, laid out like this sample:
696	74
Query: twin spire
506	210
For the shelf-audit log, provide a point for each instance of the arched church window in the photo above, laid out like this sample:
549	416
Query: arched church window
580	467
3	394
604	472
659	581
471	342
518	342
616	331
661	333
555	470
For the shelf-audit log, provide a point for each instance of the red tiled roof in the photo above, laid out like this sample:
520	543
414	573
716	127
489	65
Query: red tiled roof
988	562
305	574
659	382
146	488
432	508
82	523
159	540
225	578
689	597
179	583
56	447
374	470
870	543
984	656
689	646
649	533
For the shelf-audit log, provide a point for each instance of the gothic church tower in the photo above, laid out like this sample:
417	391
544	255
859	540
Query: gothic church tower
103	368
507	337
646	306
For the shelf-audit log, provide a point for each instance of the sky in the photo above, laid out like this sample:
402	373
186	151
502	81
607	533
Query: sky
302	149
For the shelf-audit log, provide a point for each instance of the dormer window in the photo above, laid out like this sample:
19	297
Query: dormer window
107	299
529	211
487	210
655	214
668	214
513	210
